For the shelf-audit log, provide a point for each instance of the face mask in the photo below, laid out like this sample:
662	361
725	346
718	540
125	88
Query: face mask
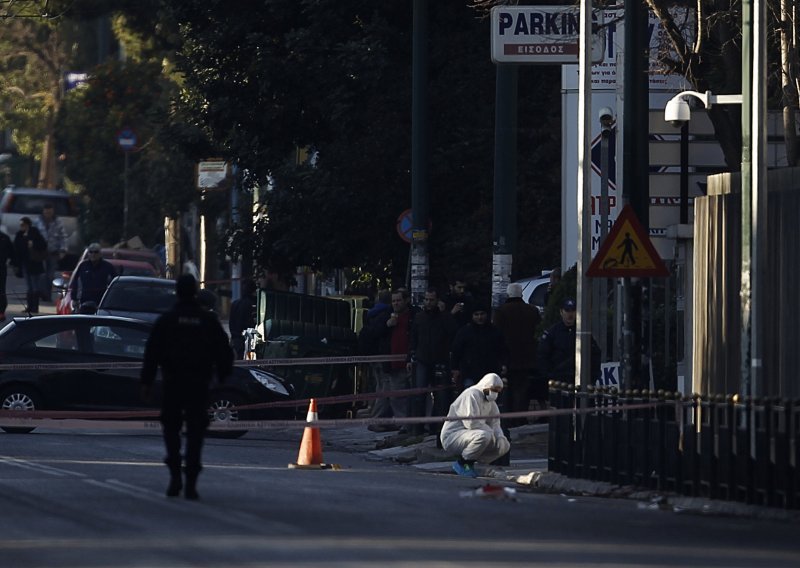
491	396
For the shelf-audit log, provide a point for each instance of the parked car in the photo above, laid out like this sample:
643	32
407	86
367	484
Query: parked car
138	255
77	339
19	202
63	283
535	288
137	297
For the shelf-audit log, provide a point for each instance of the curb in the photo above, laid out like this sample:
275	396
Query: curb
548	482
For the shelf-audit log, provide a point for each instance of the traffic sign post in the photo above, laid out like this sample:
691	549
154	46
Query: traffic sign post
126	140
627	252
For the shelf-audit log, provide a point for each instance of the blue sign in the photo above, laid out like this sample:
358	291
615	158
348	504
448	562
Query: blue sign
126	138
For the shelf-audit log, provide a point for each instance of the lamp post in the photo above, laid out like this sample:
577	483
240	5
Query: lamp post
600	303
753	222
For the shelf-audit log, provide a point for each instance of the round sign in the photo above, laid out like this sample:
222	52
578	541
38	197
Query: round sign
126	139
405	225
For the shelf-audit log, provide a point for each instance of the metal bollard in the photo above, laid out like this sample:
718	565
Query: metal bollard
673	428
690	472
781	415
725	424
743	463
609	427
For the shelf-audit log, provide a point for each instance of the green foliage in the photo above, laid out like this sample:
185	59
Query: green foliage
160	177
336	76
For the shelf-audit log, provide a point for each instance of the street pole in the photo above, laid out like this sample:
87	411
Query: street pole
236	267
505	181
583	324
635	174
601	302
125	198
419	152
754	191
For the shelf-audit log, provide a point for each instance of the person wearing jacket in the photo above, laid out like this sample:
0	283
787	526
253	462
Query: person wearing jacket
189	345
517	321
478	349
556	350
6	256
30	251
93	277
392	333
475	439
55	234
431	337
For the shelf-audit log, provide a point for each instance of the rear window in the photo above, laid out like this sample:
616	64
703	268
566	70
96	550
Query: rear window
137	298
33	204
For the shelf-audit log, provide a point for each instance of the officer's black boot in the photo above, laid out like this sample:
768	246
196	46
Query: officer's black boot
191	483
175	481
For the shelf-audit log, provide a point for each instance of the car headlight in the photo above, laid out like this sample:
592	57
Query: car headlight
269	381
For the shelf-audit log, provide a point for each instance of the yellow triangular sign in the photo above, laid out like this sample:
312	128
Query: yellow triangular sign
627	251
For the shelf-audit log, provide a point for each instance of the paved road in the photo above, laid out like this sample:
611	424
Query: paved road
92	499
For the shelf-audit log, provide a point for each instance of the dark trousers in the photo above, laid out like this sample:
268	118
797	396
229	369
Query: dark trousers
173	415
518	395
427	375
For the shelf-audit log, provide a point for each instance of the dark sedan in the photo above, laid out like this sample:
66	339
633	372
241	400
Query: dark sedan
137	297
79	339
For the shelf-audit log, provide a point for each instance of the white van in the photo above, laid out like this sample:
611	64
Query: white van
19	202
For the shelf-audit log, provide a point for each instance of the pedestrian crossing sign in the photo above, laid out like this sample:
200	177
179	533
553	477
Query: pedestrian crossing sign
627	251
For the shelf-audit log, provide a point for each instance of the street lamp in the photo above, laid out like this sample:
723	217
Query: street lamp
600	303
753	196
677	111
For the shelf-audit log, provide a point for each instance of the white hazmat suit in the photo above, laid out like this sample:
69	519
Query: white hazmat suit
475	439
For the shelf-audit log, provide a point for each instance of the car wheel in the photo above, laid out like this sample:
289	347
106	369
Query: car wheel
22	399
222	409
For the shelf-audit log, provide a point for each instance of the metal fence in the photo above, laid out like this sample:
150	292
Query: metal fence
718	447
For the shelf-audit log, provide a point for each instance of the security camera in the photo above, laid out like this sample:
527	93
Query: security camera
677	112
606	116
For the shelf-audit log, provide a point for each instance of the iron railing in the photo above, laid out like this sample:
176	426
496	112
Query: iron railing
720	447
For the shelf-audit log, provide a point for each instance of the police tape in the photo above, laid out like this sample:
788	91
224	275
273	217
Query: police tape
274	362
8	421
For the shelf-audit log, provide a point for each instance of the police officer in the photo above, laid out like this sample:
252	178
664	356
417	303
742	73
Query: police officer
188	343
556	350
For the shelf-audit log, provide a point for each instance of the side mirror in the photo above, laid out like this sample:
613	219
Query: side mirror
60	283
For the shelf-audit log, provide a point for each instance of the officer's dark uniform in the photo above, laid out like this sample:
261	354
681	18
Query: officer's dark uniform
188	343
556	354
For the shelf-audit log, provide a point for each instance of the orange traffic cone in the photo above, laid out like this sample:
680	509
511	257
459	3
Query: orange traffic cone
310	455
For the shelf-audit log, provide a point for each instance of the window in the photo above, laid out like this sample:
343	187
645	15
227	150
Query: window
118	341
66	340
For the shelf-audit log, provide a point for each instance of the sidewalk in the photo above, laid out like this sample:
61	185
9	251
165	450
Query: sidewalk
16	292
528	471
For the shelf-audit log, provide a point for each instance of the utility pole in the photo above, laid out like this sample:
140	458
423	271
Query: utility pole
504	235
635	173
419	153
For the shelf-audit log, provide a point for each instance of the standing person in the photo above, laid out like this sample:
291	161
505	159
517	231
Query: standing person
478	349
393	339
93	277
6	256
431	336
459	302
517	321
242	317
189	345
53	231
475	439
30	251
555	356
370	343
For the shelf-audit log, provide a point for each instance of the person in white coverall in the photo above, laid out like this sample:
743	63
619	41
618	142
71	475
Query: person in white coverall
479	439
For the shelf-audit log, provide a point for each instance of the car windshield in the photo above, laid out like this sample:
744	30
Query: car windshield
33	204
139	298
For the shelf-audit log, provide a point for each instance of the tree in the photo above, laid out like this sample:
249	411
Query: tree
334	76
32	58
